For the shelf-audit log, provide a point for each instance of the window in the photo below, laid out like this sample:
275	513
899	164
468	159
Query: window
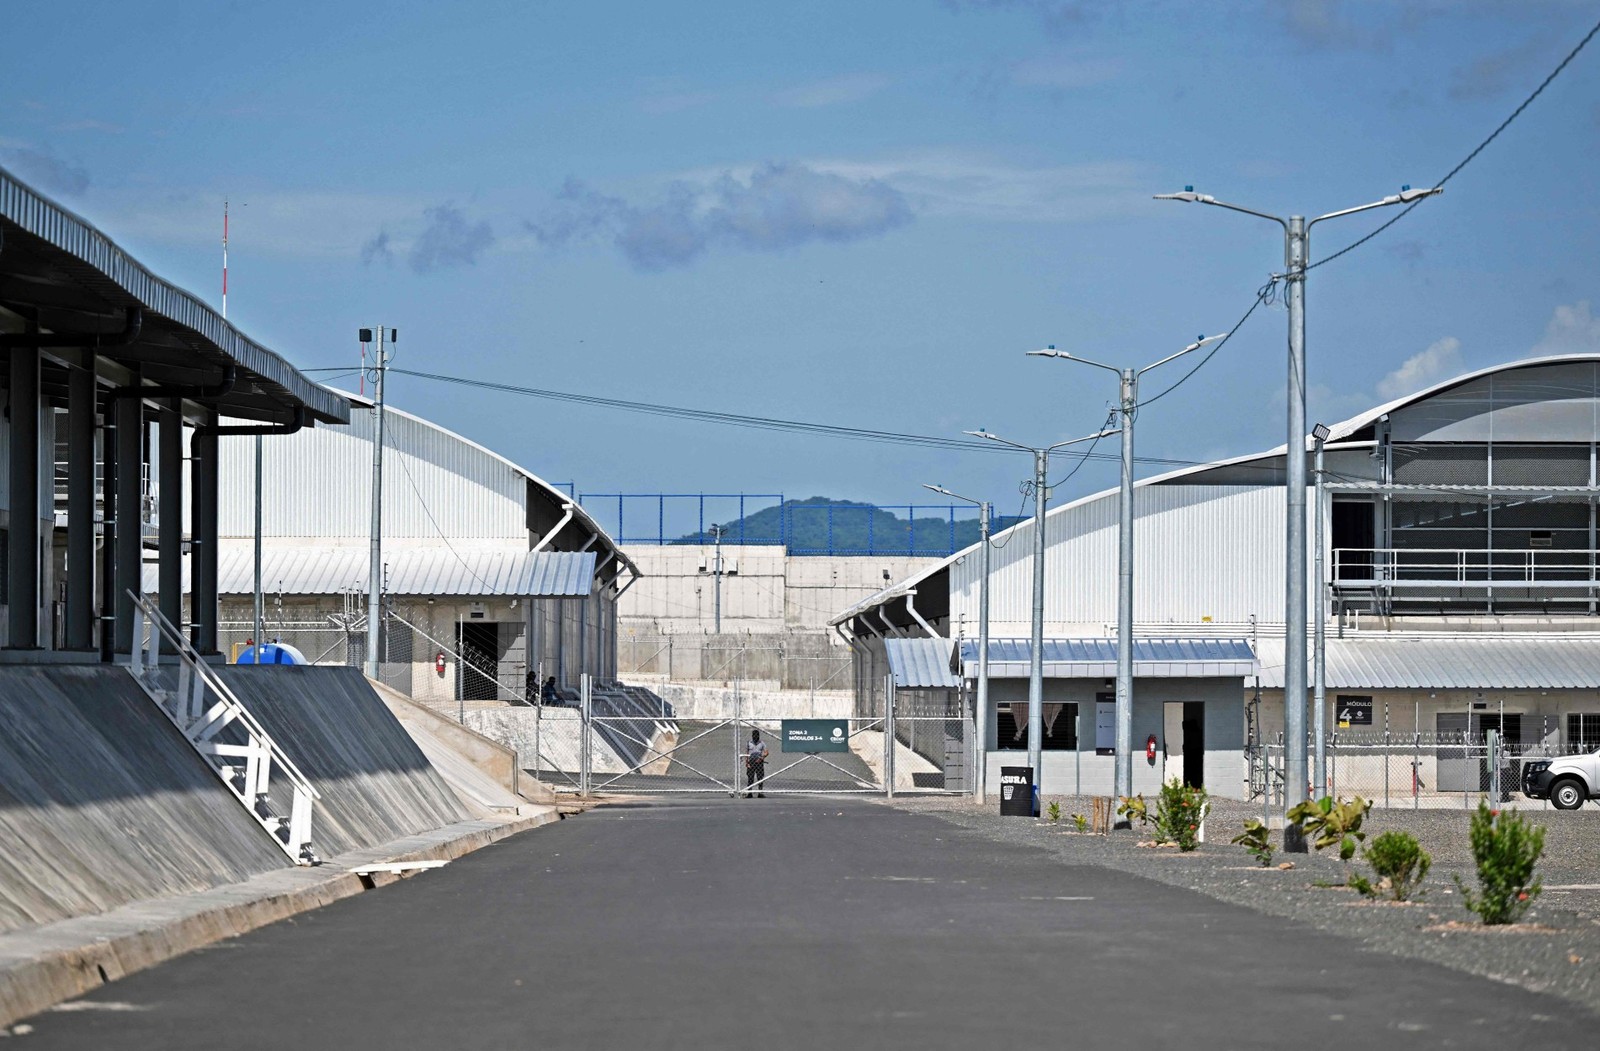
1583	731
1060	733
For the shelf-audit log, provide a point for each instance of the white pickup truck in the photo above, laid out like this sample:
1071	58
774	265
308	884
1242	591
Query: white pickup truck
1566	781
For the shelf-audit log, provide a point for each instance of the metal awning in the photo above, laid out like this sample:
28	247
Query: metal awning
70	277
431	571
1096	658
1450	663
921	664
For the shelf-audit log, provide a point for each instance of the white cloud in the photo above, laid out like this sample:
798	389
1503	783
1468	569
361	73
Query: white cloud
1441	360
1571	329
833	91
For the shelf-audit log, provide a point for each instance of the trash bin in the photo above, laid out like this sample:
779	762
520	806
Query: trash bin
1018	797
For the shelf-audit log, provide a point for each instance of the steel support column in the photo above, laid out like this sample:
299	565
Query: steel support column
203	542
170	511
126	546
81	411
22	544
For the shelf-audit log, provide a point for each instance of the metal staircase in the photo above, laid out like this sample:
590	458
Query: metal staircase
222	731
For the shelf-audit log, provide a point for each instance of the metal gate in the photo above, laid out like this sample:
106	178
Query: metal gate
628	749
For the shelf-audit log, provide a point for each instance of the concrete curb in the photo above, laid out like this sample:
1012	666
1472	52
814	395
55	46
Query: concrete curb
46	965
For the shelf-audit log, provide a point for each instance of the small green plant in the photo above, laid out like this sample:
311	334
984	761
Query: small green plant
1080	822
1134	808
1327	822
1179	811
1053	811
1506	848
1397	857
1257	840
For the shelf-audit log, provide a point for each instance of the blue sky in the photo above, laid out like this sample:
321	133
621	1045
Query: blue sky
853	213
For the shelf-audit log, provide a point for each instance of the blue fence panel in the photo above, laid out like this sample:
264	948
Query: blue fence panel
802	527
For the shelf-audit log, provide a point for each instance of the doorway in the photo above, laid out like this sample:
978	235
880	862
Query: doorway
1185	726
1355	532
478	670
1194	744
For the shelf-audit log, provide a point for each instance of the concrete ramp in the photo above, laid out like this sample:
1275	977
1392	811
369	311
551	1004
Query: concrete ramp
103	803
376	784
483	773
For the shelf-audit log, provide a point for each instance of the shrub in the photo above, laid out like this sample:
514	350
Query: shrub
1080	822
1396	856
1134	808
1327	822
1053	811
1257	840
1505	848
1179	811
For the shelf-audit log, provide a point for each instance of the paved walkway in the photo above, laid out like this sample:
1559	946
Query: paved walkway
793	923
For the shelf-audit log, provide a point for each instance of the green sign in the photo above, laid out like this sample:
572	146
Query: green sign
816	735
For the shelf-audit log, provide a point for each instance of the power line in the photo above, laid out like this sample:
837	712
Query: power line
1263	294
1473	155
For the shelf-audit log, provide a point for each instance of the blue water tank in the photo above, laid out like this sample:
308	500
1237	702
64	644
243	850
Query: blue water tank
271	653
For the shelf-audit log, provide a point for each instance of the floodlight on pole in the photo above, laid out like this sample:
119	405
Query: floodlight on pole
1041	496
1296	245
1128	384
980	711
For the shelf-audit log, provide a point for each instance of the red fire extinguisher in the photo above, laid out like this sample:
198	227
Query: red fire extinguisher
438	663
1150	748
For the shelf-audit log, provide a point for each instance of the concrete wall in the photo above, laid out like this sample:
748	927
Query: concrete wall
103	803
375	783
763	589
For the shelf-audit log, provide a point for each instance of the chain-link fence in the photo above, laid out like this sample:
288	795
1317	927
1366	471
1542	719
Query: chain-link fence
1421	770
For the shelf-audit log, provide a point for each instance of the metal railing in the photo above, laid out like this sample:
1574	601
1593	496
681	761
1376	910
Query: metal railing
203	723
1391	567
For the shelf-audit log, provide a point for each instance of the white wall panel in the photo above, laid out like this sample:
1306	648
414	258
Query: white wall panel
1199	551
317	484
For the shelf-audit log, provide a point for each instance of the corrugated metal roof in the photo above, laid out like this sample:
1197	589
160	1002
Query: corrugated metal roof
81	247
918	664
1097	657
1457	663
410	571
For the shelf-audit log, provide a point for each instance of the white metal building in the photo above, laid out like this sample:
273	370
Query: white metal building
1464	514
483	560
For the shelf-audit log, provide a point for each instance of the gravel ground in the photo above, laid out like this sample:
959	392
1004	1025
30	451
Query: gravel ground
1555	949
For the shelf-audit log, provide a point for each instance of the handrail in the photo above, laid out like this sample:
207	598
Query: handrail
191	657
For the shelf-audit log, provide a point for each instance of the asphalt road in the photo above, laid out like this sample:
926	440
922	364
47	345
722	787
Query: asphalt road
794	923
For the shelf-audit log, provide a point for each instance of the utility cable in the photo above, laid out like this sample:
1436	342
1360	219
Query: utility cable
1473	155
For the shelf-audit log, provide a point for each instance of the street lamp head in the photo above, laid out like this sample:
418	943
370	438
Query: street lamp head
1206	341
1188	194
1049	352
941	490
1407	194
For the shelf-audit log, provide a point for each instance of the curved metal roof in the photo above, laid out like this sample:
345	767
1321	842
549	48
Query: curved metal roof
1341	430
556	497
56	263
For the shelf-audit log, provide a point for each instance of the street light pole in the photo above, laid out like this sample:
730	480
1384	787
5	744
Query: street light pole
980	721
1041	499
716	534
1319	638
1296	230
375	561
1128	397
